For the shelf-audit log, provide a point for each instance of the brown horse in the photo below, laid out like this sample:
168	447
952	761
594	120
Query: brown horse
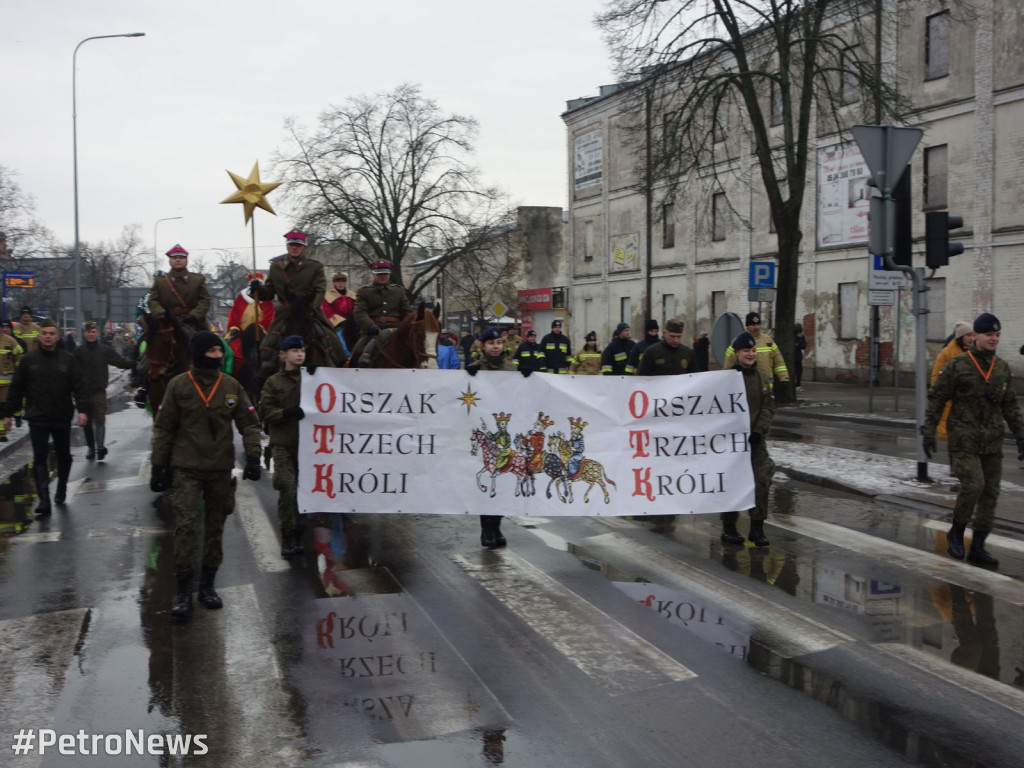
410	344
166	354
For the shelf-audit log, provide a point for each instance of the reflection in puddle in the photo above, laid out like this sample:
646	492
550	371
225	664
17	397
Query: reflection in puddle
17	494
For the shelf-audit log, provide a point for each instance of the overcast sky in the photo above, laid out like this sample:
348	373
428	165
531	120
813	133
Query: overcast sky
162	117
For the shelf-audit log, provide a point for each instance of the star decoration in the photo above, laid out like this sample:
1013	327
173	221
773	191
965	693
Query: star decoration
469	398
252	193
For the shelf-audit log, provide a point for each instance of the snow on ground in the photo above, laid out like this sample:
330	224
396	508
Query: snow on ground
868	473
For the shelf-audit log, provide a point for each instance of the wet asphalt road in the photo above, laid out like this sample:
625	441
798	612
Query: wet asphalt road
588	641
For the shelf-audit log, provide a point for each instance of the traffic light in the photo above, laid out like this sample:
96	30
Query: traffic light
903	243
938	247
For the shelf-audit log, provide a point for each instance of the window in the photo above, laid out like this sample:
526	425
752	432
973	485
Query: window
667	130
936	176
668	227
668	306
849	78
721	116
625	312
848	311
718	305
776	103
718	216
936	317
936	46
588	241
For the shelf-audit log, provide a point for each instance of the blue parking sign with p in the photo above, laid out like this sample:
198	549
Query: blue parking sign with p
762	274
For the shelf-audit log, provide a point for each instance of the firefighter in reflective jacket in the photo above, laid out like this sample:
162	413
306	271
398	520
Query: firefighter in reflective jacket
615	357
588	360
557	349
530	355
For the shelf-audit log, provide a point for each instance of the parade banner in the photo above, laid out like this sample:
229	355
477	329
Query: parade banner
444	442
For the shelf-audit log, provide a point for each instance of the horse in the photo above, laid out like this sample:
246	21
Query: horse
410	344
558	471
247	359
590	471
523	447
166	353
516	463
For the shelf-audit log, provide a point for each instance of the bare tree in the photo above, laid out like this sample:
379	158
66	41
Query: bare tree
792	69
385	174
25	237
487	270
109	265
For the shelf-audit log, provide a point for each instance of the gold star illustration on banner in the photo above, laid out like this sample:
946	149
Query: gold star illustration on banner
251	192
469	398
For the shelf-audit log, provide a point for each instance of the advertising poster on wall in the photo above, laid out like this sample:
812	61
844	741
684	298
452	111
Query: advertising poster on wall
843	196
587	160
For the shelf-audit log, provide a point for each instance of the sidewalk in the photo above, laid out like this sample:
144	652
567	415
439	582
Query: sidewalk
878	475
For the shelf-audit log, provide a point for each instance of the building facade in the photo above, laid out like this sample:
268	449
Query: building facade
963	74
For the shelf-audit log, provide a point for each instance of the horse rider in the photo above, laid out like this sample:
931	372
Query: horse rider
180	295
338	305
299	285
380	305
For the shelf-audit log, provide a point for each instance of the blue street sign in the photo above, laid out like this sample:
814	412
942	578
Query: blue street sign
762	274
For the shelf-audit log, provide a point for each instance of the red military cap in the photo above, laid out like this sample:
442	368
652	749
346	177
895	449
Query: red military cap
381	268
299	238
177	250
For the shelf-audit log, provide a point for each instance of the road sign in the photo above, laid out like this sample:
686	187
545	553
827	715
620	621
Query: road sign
498	309
20	279
726	328
880	279
760	294
762	274
886	150
882	298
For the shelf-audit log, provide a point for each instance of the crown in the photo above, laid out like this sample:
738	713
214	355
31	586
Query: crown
577	423
544	421
501	419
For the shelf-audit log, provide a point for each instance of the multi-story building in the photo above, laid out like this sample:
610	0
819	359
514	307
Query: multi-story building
964	75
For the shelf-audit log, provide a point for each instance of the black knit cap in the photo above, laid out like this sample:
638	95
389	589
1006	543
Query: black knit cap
592	336
752	318
987	323
198	347
651	325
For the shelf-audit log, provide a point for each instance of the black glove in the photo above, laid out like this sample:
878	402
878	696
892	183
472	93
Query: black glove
140	397
373	330
299	298
160	478
526	372
190	320
172	319
294	412
254	286
252	470
929	445
472	368
781	389
311	368
1020	449
755	438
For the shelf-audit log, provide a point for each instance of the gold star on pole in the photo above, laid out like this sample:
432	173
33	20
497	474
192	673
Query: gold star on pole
252	193
469	398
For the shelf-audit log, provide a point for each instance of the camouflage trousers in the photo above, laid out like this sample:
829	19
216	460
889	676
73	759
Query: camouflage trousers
98	404
286	483
213	490
979	476
764	470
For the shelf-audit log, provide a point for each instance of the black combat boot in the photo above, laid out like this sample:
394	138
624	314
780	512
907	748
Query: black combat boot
955	541
756	536
41	475
978	555
63	472
90	442
729	533
182	608
298	548
101	438
490	532
291	542
207	596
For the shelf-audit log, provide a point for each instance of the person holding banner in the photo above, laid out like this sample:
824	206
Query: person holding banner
493	358
193	434
281	412
530	355
761	405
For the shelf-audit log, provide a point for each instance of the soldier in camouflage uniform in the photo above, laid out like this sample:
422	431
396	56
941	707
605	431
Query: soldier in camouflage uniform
761	405
281	412
979	385
378	306
193	434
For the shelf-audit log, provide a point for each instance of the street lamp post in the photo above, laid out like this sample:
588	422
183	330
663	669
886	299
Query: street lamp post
80	316
156	258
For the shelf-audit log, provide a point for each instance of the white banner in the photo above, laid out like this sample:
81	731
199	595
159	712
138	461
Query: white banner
430	441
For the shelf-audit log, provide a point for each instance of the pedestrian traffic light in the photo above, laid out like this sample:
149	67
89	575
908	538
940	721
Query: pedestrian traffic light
902	251
938	246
